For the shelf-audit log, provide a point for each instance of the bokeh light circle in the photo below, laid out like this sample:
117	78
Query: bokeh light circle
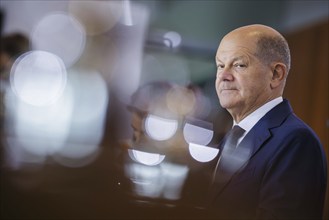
38	78
181	100
97	16
202	153
146	158
159	128
196	134
60	34
172	39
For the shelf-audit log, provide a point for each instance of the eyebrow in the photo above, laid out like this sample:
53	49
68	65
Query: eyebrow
242	57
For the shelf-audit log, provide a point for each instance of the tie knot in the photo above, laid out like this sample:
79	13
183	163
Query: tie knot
237	131
234	134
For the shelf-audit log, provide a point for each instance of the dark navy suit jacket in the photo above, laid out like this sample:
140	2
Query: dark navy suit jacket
283	177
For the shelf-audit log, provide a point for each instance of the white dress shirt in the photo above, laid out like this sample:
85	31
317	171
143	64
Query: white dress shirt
248	122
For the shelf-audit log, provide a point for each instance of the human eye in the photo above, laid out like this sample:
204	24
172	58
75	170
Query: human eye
240	65
220	66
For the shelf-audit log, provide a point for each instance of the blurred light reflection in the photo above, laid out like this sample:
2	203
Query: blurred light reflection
181	100
38	78
197	135
150	159
160	128
16	156
130	40
61	130
202	153
77	155
96	16
237	159
163	181
172	39
127	15
174	176
43	130
146	179
90	102
90	96
60	34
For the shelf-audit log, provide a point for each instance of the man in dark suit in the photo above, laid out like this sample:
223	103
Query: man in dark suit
276	167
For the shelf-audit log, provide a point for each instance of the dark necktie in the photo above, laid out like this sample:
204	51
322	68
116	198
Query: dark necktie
233	136
228	149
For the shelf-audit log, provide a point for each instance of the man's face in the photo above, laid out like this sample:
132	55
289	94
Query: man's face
243	81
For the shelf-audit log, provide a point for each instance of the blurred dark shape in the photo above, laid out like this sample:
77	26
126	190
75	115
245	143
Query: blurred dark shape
1	21
12	46
171	101
151	98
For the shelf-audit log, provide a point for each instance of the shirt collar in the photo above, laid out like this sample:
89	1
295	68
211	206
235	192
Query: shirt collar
248	122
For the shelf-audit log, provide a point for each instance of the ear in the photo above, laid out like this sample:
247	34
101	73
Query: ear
279	75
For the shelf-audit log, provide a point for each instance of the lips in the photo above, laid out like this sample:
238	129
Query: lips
228	89
226	86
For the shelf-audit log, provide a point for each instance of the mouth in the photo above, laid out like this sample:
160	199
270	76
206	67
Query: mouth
228	90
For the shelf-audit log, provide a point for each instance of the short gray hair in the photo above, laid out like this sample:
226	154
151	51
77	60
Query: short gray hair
273	48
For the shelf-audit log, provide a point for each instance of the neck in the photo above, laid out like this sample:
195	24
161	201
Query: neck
238	114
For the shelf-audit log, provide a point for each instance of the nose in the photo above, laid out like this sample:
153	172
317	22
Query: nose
225	74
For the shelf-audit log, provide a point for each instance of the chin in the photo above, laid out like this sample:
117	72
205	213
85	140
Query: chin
228	103
225	104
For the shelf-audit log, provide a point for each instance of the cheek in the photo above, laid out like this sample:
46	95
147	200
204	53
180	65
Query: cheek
248	87
217	83
252	88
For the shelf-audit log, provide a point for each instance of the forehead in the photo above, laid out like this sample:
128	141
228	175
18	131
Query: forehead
238	54
236	48
223	56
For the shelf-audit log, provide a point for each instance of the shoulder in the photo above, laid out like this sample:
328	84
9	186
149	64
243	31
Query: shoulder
292	136
295	139
294	128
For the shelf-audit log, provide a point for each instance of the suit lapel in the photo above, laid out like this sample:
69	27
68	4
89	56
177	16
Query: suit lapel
253	142
232	164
